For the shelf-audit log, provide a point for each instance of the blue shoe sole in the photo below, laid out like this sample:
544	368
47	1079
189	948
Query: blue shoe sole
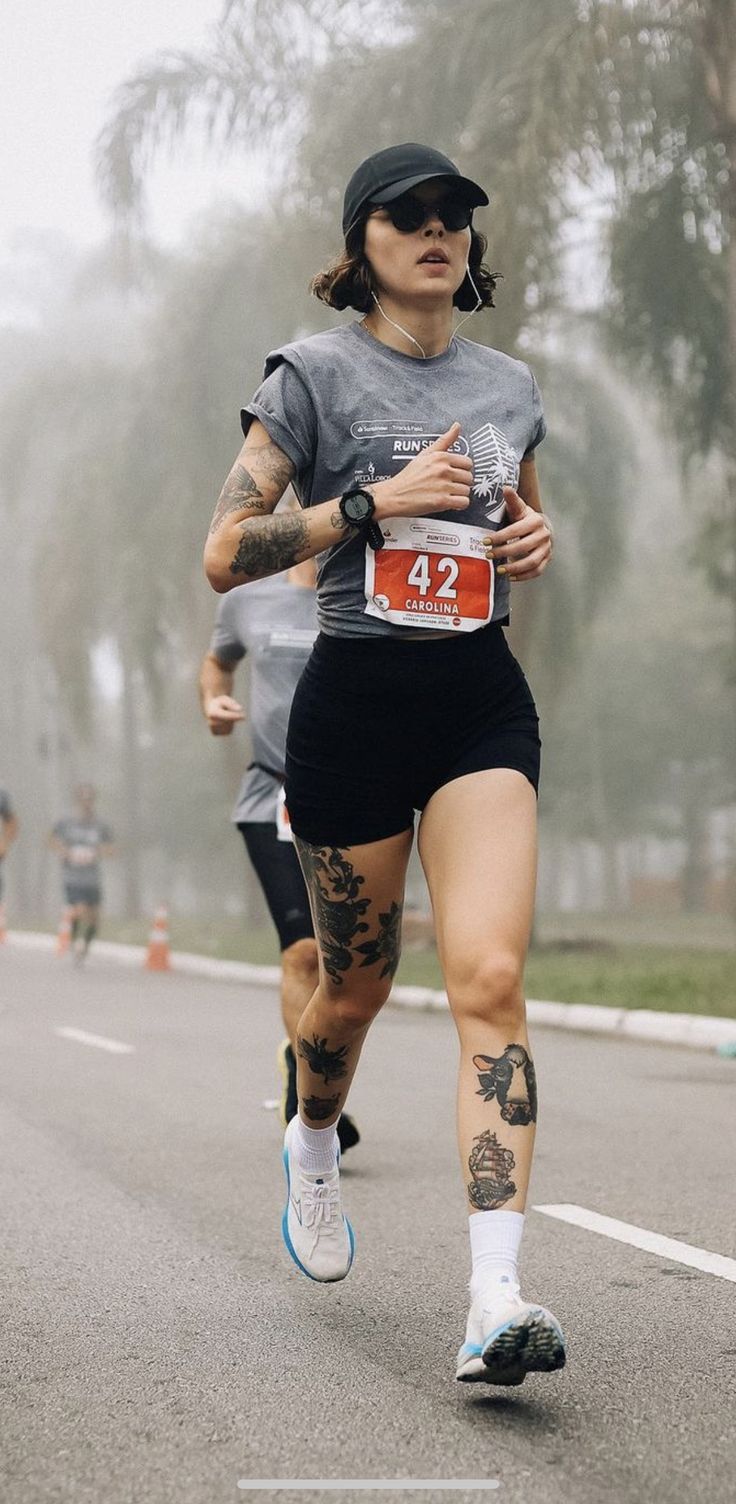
290	1246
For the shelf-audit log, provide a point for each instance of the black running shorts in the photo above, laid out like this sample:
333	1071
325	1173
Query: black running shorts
378	724
280	876
76	894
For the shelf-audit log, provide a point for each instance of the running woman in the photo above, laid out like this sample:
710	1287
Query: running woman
8	831
412	453
82	841
276	624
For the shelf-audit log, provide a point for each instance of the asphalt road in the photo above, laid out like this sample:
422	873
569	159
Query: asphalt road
159	1346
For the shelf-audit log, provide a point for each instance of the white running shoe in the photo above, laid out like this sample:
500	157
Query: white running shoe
317	1235
506	1338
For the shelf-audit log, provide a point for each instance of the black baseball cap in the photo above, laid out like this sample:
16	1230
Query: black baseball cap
389	173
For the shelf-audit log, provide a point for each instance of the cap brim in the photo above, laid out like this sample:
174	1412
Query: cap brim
470	190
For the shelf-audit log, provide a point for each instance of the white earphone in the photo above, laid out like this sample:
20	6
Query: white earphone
462	321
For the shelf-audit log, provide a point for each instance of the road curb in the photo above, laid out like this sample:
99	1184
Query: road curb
694	1030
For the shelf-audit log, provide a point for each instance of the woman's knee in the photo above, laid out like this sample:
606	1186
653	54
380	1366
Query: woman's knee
300	961
354	1005
487	988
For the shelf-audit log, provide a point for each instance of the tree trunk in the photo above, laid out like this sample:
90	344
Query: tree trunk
130	845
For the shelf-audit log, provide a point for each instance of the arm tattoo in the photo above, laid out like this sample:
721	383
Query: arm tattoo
329	1064
490	1166
241	491
512	1080
238	492
318	1108
270	544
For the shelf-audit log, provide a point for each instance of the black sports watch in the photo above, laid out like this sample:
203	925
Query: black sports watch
357	508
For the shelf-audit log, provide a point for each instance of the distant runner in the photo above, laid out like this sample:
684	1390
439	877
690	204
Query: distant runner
82	841
8	830
276	623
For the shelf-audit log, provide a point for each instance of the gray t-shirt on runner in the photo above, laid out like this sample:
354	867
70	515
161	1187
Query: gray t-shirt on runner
83	839
6	809
276	623
348	411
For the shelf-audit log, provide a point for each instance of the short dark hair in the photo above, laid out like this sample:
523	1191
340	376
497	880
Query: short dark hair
348	282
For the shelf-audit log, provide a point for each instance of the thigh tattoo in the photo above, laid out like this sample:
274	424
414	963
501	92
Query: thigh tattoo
339	910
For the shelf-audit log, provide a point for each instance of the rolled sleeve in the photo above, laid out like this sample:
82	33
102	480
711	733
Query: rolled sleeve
285	408
538	426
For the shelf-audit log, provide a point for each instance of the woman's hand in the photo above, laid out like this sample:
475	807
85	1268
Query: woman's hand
436	481
525	545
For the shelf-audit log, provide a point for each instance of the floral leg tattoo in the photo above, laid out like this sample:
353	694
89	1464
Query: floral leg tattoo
329	1064
319	1108
339	910
387	945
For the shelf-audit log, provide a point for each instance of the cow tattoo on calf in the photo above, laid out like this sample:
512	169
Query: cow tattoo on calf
512	1080
490	1166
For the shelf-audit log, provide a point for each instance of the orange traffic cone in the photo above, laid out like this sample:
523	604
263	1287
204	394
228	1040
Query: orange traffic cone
158	955
3	927
64	934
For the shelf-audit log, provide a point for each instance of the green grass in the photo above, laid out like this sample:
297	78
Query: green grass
669	977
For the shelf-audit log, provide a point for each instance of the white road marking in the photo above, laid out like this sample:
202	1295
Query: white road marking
641	1237
382	1485
114	1046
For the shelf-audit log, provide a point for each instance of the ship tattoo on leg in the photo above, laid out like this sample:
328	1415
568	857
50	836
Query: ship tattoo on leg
490	1166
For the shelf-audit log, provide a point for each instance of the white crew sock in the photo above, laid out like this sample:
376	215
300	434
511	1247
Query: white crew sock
495	1238
316	1148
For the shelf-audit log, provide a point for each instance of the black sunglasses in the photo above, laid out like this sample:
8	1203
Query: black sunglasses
409	213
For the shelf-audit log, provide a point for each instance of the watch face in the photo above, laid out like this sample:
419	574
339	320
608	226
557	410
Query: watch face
357	508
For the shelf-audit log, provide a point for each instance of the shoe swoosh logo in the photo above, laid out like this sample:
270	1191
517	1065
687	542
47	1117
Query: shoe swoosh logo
297	1205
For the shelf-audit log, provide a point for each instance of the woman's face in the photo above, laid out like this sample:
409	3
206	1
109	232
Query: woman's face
427	265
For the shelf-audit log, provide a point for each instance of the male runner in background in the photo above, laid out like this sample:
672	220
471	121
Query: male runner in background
82	841
8	830
275	621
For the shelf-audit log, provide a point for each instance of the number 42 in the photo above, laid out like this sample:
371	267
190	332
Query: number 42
420	575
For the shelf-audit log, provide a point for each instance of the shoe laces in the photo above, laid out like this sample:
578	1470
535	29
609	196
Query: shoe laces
320	1205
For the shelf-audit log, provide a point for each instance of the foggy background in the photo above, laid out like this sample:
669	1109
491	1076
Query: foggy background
173	179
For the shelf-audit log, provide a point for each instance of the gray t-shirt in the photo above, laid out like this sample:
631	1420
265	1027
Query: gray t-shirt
83	839
276	623
6	809
348	411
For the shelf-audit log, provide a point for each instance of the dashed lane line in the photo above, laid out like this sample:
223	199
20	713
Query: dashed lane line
98	1041
641	1237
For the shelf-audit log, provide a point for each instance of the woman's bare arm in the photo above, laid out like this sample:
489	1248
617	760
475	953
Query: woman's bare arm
245	542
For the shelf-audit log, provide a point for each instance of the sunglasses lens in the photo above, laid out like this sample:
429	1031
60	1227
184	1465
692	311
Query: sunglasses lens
407	214
454	214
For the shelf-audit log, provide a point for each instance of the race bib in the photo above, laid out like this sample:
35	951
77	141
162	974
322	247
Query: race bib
283	823
430	574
